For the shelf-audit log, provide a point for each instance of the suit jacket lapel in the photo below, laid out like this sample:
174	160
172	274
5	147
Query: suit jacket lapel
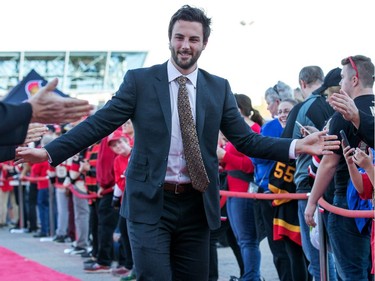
162	90
201	101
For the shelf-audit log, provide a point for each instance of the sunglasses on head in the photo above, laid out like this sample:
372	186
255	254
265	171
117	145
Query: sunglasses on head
354	66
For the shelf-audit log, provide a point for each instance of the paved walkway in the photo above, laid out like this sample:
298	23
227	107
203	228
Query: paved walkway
52	255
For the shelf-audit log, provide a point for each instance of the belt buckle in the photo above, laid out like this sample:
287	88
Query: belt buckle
175	189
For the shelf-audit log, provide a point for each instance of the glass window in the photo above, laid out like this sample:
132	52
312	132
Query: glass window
47	64
9	69
86	71
120	63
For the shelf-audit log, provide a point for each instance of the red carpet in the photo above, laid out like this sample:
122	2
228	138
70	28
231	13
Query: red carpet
14	267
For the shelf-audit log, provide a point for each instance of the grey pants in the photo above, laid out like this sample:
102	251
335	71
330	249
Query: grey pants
81	220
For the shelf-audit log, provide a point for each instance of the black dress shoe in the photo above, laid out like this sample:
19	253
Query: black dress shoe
40	235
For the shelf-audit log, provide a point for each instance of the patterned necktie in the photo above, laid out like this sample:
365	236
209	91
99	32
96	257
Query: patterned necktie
193	156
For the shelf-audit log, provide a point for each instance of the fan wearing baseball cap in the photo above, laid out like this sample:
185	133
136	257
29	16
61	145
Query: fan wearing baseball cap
331	83
119	144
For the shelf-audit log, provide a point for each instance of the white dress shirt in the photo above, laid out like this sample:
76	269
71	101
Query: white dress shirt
176	168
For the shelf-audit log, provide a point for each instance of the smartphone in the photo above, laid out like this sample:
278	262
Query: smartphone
344	138
302	127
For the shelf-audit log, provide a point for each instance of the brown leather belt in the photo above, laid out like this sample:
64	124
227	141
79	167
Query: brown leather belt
178	188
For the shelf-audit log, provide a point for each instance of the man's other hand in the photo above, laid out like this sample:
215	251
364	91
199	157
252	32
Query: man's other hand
48	107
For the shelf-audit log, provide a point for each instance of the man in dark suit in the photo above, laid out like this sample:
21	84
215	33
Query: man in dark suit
169	221
44	107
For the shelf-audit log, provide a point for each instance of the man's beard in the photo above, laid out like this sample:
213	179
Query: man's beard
185	64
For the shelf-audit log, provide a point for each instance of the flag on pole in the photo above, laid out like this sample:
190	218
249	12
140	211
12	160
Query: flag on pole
28	87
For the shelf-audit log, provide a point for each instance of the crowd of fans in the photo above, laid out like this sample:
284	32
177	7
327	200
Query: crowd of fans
77	194
147	207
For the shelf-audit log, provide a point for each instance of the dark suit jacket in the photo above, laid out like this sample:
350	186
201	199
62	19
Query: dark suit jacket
7	153
144	98
14	121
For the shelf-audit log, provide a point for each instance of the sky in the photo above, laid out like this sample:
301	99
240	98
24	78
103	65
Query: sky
253	44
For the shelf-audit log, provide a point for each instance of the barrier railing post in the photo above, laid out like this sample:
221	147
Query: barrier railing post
323	252
51	209
21	207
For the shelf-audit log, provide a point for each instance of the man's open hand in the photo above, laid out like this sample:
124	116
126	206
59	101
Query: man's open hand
318	143
48	107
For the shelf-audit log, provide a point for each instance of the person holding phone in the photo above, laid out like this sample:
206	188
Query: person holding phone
351	249
313	112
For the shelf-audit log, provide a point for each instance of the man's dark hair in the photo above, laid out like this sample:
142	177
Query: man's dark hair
187	13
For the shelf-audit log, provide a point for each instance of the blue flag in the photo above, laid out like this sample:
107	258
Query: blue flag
28	87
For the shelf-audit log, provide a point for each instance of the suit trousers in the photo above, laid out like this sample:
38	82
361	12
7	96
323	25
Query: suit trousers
177	246
225	231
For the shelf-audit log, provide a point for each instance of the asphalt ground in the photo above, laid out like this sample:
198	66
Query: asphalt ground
52	255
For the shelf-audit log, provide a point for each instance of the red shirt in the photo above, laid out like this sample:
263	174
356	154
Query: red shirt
235	160
120	165
40	170
104	168
4	174
368	189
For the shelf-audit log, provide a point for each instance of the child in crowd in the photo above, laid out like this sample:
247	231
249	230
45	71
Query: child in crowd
362	181
119	144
